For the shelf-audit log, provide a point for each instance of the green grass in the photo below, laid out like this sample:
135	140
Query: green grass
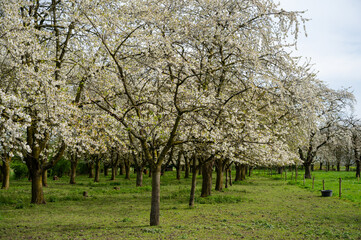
259	208
351	187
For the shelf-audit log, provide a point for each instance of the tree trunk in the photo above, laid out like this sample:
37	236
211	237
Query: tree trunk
127	168
347	168
320	165
307	166
226	183
243	172
1	174
97	169
114	172
127	172
207	178
279	170
186	173
139	181
338	167
37	195
358	168
219	179
5	169
122	168
238	172
45	178
90	169
178	172
115	161
155	203
230	176
178	165
194	178
73	165
250	171
106	167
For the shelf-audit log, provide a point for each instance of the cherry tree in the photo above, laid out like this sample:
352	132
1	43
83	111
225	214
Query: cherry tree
354	130
37	36
321	123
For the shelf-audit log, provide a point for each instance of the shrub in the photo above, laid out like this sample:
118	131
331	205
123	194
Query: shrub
83	167
62	167
20	169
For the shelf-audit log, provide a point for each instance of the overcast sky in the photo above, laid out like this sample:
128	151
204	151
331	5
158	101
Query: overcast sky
333	42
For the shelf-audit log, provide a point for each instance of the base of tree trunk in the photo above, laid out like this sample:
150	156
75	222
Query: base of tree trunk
5	173
73	172
307	170
45	178
207	179
37	194
193	187
139	181
155	202
219	179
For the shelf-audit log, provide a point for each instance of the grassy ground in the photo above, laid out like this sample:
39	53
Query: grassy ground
259	208
350	185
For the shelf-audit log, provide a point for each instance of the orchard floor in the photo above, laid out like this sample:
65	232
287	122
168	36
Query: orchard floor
259	208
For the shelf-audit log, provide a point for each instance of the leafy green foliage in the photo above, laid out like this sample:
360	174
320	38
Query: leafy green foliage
20	169
60	168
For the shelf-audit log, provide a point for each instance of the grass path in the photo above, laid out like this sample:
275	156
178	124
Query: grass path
260	208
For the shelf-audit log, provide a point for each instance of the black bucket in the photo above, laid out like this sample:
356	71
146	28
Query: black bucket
326	193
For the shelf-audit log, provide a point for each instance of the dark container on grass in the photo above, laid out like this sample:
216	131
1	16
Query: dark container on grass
326	193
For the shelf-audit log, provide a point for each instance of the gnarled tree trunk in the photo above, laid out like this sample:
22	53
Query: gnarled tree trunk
37	194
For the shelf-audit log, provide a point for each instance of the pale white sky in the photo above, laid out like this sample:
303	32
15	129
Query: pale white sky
333	42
